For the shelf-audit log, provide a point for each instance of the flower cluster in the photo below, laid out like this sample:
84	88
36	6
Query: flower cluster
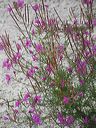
58	60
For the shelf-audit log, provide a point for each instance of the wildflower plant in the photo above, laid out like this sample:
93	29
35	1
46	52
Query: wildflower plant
58	60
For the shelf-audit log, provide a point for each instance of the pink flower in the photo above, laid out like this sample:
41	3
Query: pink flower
86	33
75	21
7	64
36	118
43	24
31	52
62	83
69	69
17	103
15	111
52	22
40	23
88	2
81	67
18	47
61	57
36	7
37	99
66	100
87	54
44	78
48	69
26	96
85	120
30	72
37	22
33	32
36	67
1	46
20	3
86	43
17	57
6	118
9	9
81	82
46	6
8	78
39	48
94	49
81	94
60	49
52	84
94	22
28	43
61	119
69	120
31	110
34	57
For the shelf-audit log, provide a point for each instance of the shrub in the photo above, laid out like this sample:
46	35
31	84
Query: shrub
58	58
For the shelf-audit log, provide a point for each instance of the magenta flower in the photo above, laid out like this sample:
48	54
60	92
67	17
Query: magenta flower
66	100
81	67
87	54
31	52
35	58
52	22
61	57
62	83
88	2
81	94
18	47
40	23
17	103
20	3
43	79
69	69
39	48
26	96
69	120
60	49
94	49
37	99
17	57
8	78
15	111
6	118
94	22
30	72
37	22
36	119
36	7
43	24
81	82
36	67
86	33
46	6
85	120
1	46
7	64
48	69
86	43
28	43
9	9
31	110
60	118
33	32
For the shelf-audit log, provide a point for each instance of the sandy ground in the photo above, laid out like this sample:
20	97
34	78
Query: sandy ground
7	24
